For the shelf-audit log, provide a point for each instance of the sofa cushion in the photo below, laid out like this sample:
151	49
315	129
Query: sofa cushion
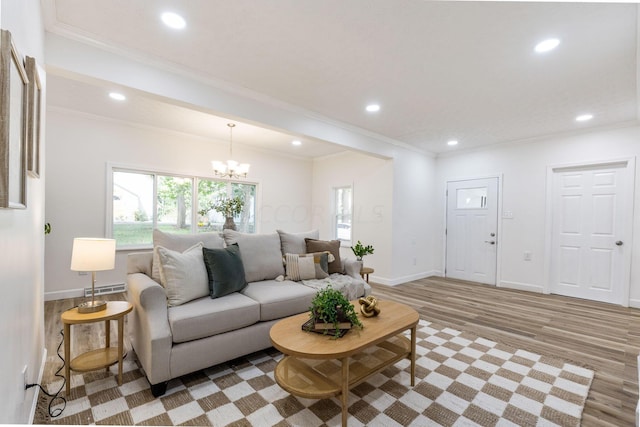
183	274
280	299
206	317
332	246
307	266
225	270
260	253
180	243
293	243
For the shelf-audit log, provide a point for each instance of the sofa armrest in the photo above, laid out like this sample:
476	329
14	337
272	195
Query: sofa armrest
352	267
149	326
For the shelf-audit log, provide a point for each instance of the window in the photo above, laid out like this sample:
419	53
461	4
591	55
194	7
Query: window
343	213
143	200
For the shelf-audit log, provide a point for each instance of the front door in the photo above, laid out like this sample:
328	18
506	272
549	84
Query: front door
590	246
471	231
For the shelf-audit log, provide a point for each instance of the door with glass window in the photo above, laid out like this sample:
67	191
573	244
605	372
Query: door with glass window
471	230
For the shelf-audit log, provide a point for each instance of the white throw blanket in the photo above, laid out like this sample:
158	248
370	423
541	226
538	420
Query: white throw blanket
352	289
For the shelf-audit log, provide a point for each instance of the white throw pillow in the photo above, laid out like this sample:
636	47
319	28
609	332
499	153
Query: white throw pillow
180	242
183	275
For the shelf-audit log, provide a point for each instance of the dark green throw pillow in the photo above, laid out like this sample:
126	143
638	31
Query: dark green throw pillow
225	270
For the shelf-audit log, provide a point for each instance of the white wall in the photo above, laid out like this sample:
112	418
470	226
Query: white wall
22	252
372	181
414	212
78	150
524	168
393	210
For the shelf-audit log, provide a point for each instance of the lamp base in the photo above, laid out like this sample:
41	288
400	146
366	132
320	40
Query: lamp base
92	306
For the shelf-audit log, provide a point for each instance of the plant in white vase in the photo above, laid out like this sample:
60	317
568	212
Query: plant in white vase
359	250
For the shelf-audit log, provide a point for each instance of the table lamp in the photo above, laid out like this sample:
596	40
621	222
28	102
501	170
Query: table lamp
93	254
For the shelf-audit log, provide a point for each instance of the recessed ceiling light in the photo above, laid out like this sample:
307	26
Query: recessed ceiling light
173	20
452	142
372	108
117	96
584	117
296	142
547	45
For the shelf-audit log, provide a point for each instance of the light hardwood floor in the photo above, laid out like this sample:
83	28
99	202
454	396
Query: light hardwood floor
603	337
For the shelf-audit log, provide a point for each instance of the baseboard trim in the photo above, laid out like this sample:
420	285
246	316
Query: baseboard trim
34	403
634	303
404	279
69	293
521	286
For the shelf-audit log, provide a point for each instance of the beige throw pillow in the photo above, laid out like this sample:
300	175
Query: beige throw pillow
183	275
180	243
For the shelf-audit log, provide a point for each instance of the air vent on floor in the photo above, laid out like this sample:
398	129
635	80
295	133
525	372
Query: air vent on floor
107	289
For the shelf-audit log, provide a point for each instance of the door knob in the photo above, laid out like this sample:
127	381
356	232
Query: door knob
491	242
619	243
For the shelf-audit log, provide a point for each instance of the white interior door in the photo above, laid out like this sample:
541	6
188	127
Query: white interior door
590	246
472	227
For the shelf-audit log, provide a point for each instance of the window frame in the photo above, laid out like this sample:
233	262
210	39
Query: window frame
336	214
117	167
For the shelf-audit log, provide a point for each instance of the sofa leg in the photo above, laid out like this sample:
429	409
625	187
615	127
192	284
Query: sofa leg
159	389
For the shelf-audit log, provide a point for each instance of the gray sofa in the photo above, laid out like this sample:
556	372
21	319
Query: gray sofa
174	339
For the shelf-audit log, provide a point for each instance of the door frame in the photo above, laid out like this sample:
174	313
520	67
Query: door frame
498	221
630	163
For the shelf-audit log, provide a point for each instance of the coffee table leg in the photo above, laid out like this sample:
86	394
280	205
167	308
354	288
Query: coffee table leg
413	355
345	391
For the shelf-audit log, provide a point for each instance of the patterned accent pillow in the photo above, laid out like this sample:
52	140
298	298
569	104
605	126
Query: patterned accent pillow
307	266
332	246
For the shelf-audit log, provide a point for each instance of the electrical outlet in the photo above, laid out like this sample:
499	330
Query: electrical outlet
527	256
415	261
82	273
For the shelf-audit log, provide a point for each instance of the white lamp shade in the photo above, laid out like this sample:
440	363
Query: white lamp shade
93	254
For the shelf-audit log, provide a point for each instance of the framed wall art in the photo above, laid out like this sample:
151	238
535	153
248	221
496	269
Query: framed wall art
34	108
13	125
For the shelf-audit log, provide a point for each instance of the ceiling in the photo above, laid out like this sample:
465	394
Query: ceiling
439	70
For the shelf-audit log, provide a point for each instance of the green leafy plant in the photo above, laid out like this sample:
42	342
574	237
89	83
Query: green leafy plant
229	206
331	306
359	250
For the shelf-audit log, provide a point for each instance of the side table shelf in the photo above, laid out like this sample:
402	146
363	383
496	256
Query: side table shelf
99	358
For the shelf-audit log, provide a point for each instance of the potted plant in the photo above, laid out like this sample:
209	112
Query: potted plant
229	207
359	250
331	312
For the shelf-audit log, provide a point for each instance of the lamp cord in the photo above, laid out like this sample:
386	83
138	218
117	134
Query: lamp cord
54	413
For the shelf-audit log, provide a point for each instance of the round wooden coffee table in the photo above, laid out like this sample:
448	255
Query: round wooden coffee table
359	354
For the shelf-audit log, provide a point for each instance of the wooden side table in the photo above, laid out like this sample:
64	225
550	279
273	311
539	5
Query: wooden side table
365	272
100	358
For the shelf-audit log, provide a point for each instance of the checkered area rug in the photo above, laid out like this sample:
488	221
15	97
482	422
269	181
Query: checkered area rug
461	380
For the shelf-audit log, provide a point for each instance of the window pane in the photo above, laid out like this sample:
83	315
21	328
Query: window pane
246	221
174	204
208	192
471	198
132	208
344	206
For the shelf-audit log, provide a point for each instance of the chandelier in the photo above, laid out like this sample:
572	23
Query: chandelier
230	168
